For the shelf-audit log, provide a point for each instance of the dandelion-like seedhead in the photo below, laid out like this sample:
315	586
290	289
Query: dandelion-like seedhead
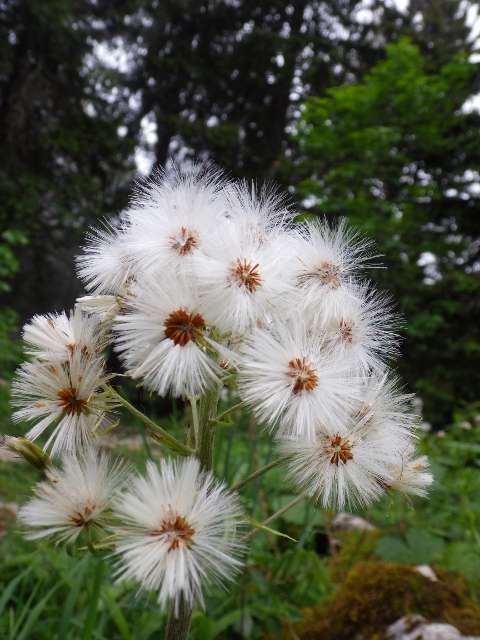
106	266
74	497
179	530
342	468
163	338
172	216
66	398
293	380
56	336
329	262
411	475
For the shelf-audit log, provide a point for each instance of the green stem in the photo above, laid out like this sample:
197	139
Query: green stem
275	515
206	428
156	431
195	421
222	415
256	474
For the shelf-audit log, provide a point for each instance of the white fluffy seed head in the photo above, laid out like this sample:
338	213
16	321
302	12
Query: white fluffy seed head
241	281
340	469
411	475
260	214
329	261
65	396
364	329
294	382
73	498
56	336
105	266
385	408
163	339
178	532
170	217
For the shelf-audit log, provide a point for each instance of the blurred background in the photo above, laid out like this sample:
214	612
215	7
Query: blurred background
366	109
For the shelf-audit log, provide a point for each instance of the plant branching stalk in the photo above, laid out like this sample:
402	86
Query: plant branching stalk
256	474
195	423
275	515
159	434
225	413
203	410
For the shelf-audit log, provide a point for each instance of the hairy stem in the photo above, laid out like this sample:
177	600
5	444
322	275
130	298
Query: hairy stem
206	431
257	473
156	431
178	625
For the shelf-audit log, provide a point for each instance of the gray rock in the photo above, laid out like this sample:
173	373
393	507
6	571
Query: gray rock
348	522
415	627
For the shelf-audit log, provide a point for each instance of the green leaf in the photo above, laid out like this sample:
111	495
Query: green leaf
117	615
35	614
262	527
419	547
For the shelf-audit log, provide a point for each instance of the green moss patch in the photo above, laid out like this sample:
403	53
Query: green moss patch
376	594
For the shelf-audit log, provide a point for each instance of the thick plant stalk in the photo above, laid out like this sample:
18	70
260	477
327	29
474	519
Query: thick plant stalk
178	625
203	410
207	410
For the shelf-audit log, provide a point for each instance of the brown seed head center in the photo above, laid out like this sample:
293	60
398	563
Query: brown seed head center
329	274
247	275
182	327
70	402
176	532
304	375
340	450
185	242
345	329
82	517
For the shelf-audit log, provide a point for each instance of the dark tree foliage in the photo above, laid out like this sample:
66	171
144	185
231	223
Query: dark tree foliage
63	162
400	156
224	79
